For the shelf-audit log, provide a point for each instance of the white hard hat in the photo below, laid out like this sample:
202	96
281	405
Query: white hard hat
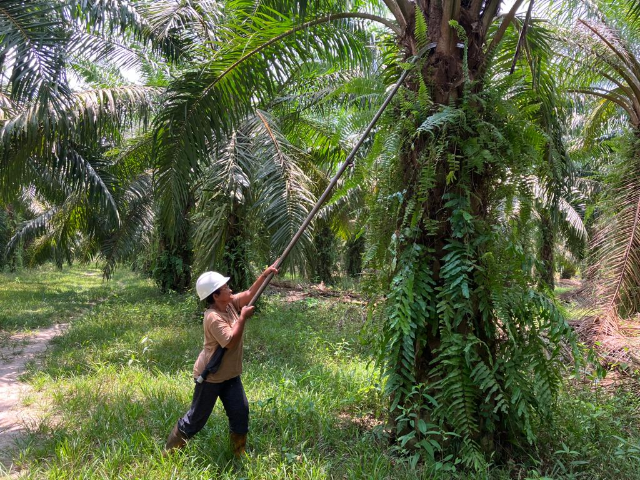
208	283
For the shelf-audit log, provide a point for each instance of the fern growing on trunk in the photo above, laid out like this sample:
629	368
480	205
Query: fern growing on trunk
471	349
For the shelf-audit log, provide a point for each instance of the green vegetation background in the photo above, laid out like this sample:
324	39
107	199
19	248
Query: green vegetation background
115	383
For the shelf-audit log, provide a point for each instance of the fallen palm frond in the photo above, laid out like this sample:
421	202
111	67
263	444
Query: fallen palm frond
605	69
613	278
617	349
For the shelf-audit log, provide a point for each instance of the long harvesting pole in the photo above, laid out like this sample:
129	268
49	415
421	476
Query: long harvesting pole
216	358
337	176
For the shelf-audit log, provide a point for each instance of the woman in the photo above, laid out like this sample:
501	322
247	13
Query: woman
223	323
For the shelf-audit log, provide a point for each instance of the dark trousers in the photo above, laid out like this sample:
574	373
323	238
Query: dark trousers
234	400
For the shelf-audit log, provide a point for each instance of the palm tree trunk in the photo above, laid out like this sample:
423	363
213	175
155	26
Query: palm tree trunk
236	252
354	250
172	268
9	219
447	76
546	249
323	263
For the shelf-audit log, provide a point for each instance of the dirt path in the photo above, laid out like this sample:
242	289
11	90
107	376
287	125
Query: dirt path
19	350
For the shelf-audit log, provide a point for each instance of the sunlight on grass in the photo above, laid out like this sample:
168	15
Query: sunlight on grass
561	290
47	295
120	377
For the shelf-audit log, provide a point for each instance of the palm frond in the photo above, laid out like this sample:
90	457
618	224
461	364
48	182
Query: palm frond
136	225
32	51
573	218
616	245
51	137
601	113
203	106
186	25
223	190
89	114
31	229
285	197
633	9
561	205
210	233
109	21
603	64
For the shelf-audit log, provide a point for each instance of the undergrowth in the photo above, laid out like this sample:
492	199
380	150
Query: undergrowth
118	380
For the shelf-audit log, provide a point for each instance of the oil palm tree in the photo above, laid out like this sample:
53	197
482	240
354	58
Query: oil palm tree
61	112
455	296
553	186
240	61
273	167
255	185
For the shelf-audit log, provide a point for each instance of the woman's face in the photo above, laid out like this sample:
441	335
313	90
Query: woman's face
224	297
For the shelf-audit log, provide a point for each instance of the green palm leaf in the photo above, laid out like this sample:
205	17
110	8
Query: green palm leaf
136	225
32	47
223	191
285	196
31	228
50	138
204	105
616	246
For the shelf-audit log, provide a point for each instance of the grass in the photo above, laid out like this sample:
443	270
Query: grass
563	290
44	296
120	377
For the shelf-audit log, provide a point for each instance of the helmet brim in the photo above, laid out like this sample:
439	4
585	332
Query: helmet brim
209	286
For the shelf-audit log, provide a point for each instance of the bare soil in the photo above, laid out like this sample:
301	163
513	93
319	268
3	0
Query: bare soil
573	286
294	292
15	354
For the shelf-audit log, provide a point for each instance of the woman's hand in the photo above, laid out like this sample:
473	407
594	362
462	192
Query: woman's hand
238	327
270	270
243	298
247	312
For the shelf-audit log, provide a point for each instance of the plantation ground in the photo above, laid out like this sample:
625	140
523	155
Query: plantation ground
115	382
